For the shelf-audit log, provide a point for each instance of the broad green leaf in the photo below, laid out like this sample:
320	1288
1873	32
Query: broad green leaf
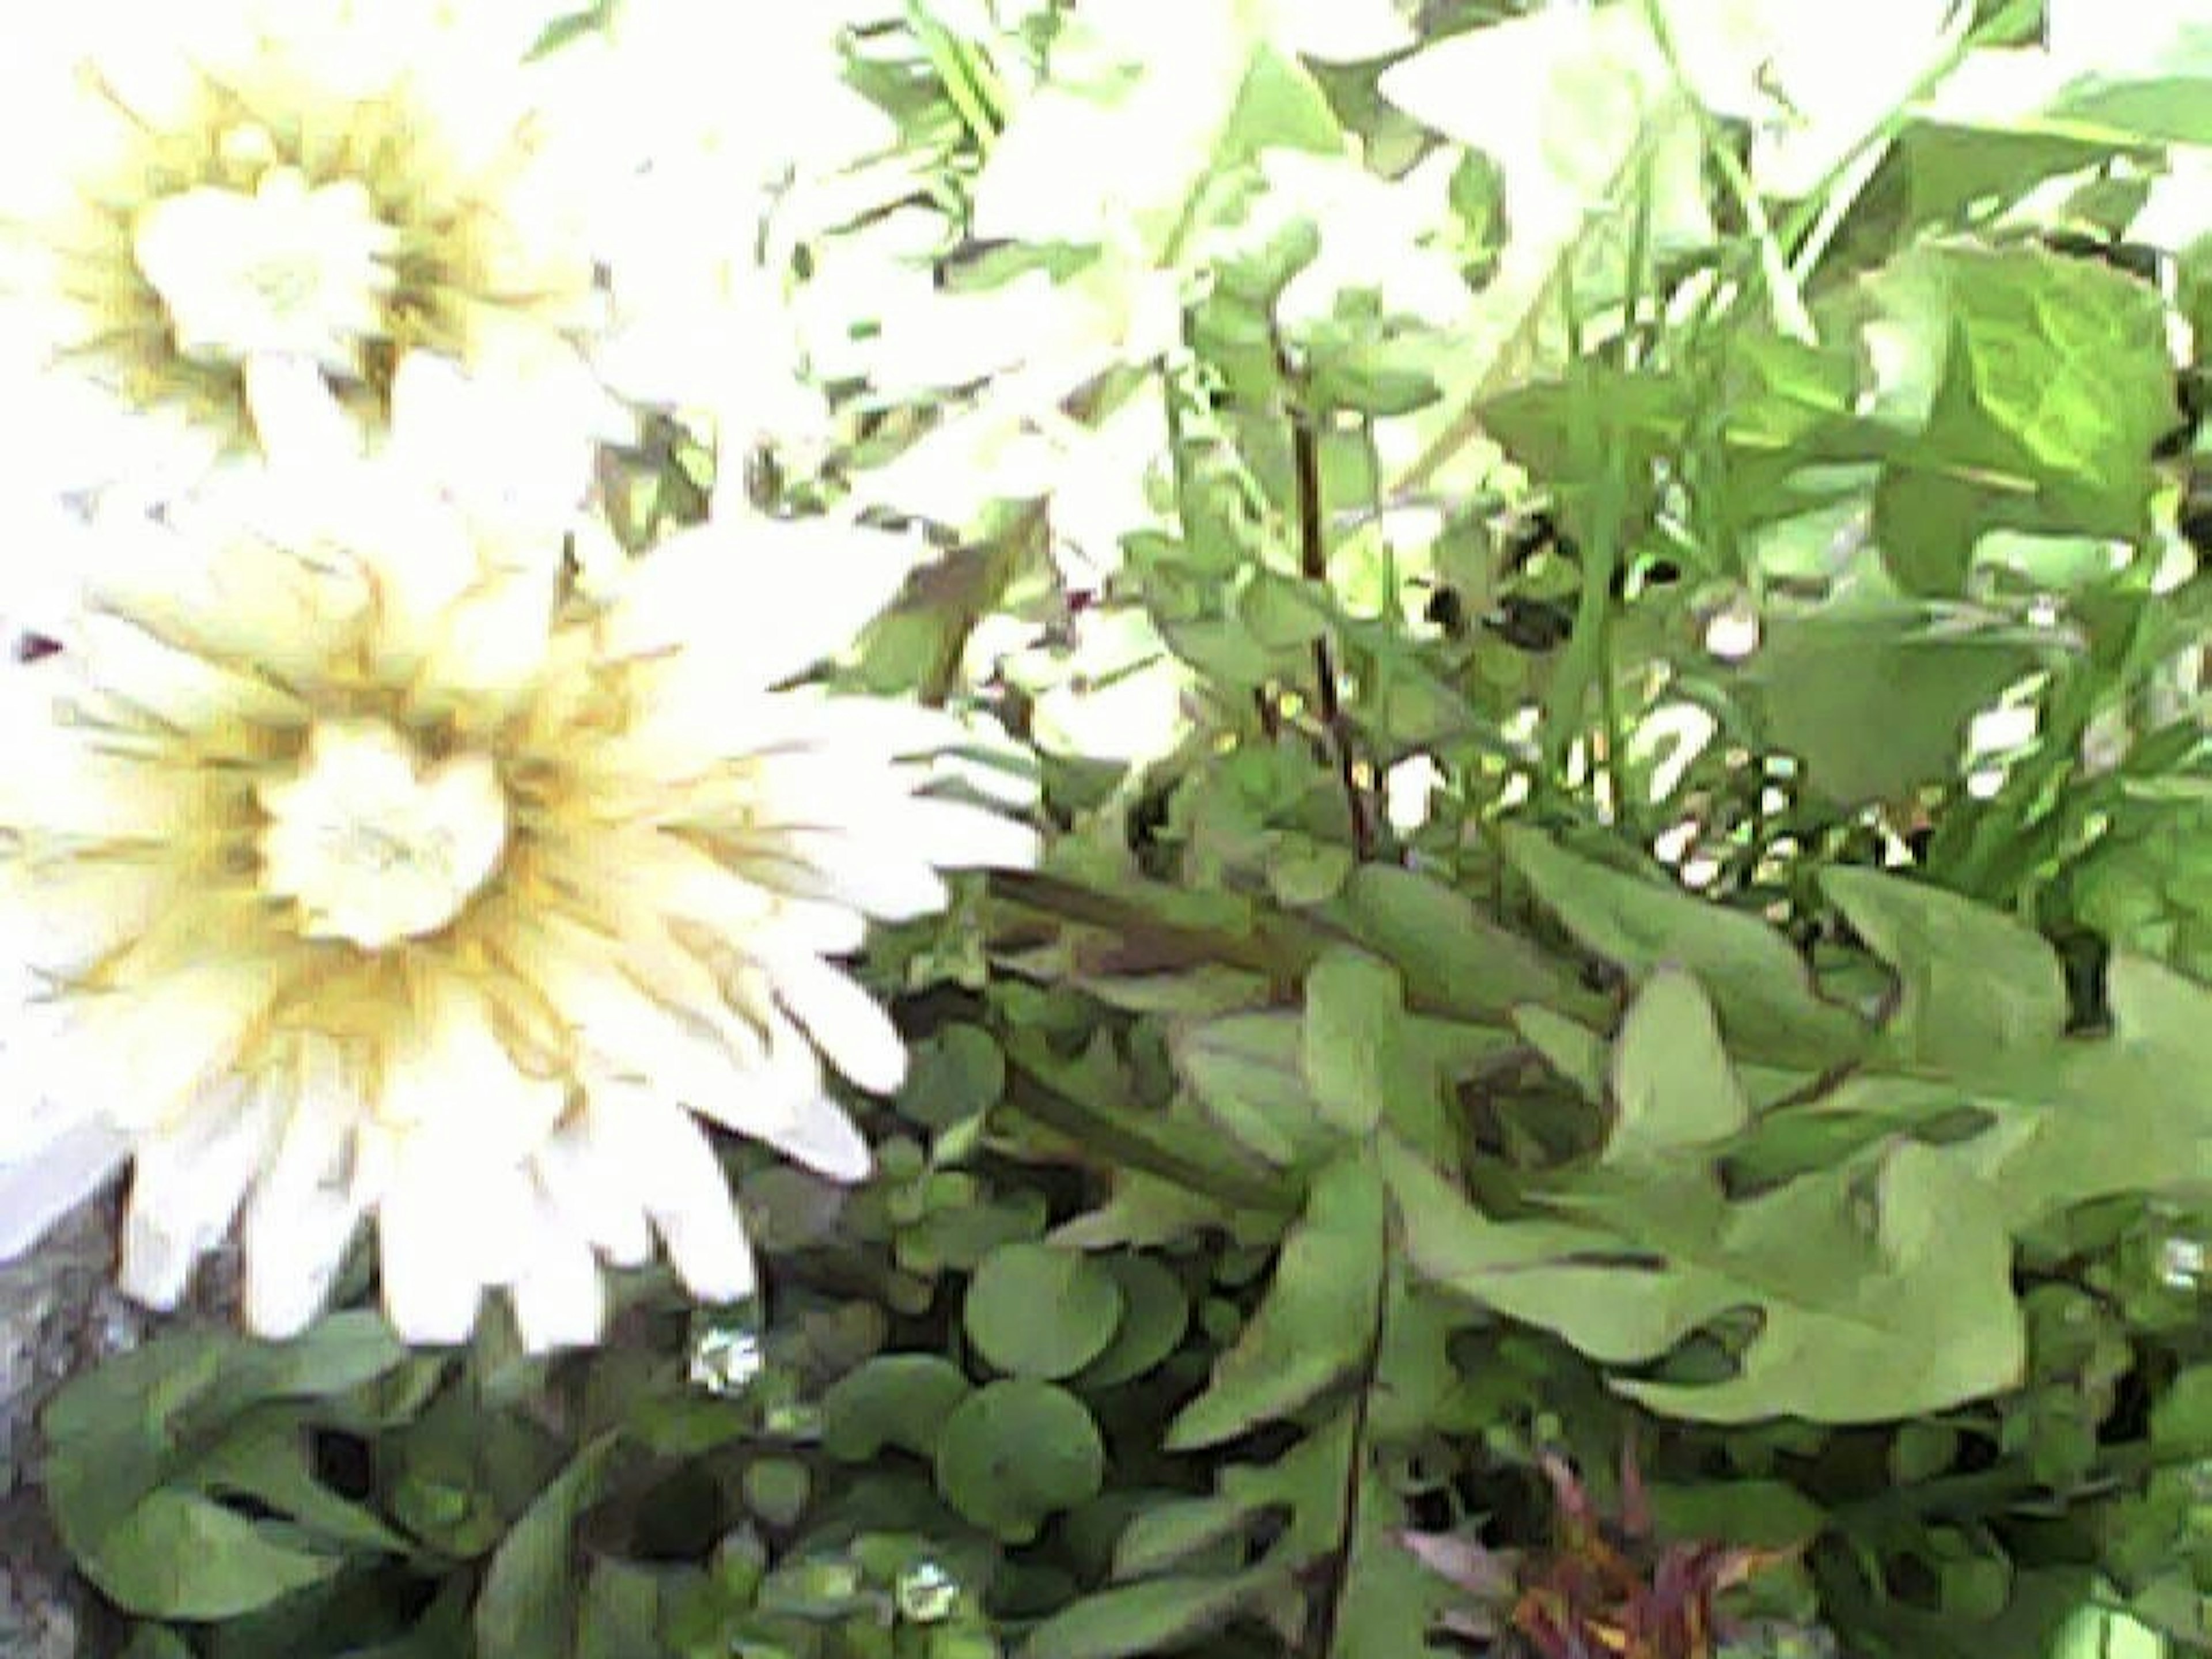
1569	1048
181	1555
2181	1421
1038	1310
1317	1321
2033	387
1388	1602
1457	961
1170	1534
1593	125
1875	698
1673	1087
957	1072
1015	1453
1757	985
1878	1303
1972	982
619	1616
266	1458
138	1443
1248	1072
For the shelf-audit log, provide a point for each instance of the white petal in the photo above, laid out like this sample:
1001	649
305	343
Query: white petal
559	1301
822	1138
689	1198
300	421
294	1241
47	1186
451	1084
186	1183
954	835
750	603
855	1033
426	1260
846	870
594	1192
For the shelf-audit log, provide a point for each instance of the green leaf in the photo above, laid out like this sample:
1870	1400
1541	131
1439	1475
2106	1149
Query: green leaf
1884	1303
181	1555
1672	1086
527	1607
1972	982
2050	387
266	1458
957	1072
1015	1453
1353	1016
1170	1534
1155	1313
138	1443
2181	1421
898	1400
1280	106
620	1613
1037	1311
1159	1615
1248	1072
1875	698
1317	1321
1757	985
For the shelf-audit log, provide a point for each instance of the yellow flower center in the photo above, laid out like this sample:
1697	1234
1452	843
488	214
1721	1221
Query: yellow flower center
286	268
373	844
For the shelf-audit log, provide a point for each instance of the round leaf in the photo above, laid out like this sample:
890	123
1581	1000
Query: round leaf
1035	1310
1156	1313
1016	1452
896	1400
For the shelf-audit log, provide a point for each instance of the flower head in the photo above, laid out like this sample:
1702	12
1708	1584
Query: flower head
361	873
204	192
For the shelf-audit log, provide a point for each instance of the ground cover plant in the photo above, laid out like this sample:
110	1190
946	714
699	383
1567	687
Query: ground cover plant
1514	697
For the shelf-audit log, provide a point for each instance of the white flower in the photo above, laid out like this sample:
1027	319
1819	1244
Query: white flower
360	875
204	194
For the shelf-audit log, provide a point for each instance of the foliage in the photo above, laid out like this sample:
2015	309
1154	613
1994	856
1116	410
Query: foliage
1614	613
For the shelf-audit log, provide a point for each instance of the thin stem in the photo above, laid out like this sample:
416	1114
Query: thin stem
1313	565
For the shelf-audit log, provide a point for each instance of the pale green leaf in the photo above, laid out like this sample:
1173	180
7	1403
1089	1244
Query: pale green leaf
1672	1086
1317	1321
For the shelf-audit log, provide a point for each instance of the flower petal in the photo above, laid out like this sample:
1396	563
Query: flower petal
42	1187
749	602
844	1020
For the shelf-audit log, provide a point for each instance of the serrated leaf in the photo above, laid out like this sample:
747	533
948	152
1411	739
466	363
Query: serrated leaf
1316	1320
